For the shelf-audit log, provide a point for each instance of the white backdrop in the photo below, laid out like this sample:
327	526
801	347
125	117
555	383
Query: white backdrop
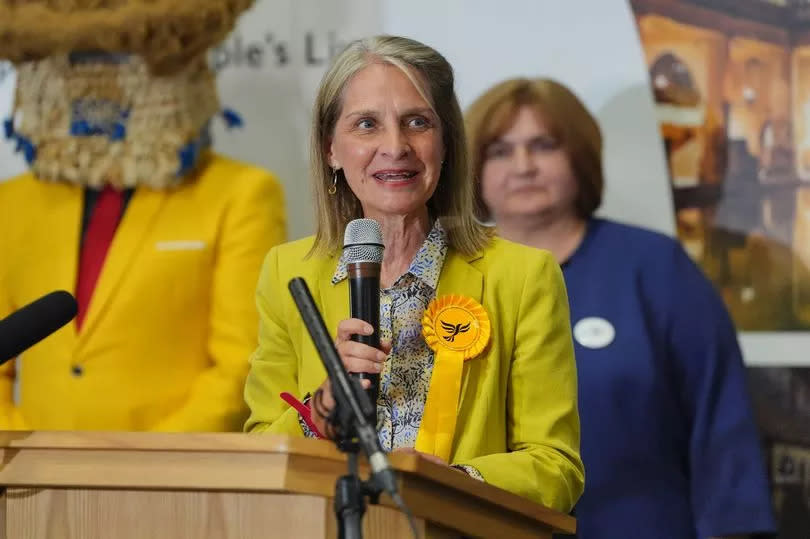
269	69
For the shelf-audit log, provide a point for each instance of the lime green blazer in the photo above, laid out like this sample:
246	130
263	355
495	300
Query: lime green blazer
517	412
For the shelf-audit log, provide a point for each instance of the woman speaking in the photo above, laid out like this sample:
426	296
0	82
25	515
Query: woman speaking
499	402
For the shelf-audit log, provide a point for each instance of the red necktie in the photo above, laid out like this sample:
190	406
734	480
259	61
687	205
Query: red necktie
97	240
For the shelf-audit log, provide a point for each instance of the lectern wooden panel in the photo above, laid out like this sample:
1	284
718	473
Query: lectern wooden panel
97	485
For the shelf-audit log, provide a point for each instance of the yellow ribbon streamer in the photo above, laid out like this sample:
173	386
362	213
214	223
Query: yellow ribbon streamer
456	328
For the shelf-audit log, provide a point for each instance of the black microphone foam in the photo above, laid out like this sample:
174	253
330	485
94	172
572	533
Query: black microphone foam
27	326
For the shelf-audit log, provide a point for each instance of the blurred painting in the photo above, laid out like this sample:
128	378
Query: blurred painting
731	84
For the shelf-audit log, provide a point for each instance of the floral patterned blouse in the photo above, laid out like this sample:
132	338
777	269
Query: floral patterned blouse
405	378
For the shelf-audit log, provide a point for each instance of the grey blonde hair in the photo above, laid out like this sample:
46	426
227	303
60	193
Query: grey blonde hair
455	201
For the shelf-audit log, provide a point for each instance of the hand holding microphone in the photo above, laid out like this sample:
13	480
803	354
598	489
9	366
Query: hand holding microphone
357	358
355	405
358	338
363	254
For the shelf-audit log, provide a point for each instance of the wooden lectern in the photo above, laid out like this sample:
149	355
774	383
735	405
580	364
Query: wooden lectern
122	485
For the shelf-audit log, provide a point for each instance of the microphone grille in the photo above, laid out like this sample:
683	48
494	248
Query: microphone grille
362	241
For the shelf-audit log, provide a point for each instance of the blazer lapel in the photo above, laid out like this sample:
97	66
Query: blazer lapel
61	226
459	276
134	228
334	298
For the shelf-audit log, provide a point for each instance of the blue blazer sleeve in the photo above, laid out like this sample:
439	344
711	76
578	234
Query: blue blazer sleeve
729	487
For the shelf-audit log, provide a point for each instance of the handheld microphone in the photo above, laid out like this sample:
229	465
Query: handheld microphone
25	327
348	392
363	254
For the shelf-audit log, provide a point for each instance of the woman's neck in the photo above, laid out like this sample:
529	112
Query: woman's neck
403	235
559	234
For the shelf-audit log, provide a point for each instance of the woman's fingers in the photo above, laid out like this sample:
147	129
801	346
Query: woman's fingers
358	357
352	326
326	401
323	401
385	344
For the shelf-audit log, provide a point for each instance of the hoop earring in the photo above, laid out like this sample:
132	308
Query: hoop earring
333	188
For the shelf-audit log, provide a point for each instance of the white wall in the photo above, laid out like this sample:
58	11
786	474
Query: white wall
275	94
591	45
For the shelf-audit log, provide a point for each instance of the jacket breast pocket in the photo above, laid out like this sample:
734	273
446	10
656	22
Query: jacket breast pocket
180	270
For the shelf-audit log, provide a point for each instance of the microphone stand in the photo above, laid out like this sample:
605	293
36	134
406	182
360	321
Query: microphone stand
350	490
354	420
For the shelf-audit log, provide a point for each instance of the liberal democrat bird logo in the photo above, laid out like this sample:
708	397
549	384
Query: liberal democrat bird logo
456	325
453	330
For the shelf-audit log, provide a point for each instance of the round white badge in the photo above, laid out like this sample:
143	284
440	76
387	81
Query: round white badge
594	332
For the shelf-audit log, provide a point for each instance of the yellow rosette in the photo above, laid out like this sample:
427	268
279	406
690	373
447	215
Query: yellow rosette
456	328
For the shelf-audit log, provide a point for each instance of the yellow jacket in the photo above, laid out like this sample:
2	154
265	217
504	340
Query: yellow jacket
517	414
171	325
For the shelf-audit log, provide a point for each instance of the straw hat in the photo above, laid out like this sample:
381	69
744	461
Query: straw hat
166	33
